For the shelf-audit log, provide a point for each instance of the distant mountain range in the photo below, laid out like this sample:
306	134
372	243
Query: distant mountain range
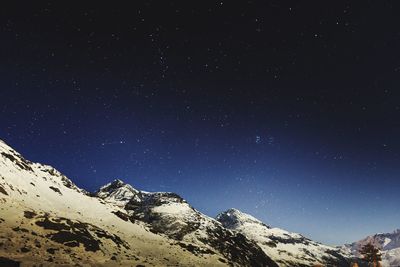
388	243
46	219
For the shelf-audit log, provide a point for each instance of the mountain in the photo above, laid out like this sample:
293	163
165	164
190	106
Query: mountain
285	248
169	214
46	219
388	243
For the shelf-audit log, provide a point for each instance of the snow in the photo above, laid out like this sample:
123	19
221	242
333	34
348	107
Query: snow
386	242
117	192
391	257
44	190
284	247
173	209
389	243
241	217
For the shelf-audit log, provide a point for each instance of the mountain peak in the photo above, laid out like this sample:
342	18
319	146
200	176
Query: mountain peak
397	231
232	218
118	182
114	185
117	191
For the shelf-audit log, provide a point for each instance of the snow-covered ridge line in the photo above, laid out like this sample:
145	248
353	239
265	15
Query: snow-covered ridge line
285	248
134	216
45	194
117	225
9	153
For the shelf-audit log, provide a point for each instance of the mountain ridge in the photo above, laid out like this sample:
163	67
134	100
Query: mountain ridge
46	219
49	217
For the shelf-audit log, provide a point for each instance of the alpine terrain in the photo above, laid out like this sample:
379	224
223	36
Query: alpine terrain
388	243
46	219
285	248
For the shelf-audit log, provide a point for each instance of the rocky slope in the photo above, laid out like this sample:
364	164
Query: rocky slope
46	219
285	248
388	243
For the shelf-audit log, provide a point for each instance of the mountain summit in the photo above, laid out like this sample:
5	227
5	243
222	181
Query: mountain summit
117	192
234	218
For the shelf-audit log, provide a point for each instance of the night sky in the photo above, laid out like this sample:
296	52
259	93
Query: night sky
287	110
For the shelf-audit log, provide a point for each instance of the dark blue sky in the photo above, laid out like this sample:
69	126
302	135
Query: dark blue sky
289	112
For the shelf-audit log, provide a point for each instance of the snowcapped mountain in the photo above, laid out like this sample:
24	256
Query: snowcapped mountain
169	214
117	192
46	219
285	248
388	243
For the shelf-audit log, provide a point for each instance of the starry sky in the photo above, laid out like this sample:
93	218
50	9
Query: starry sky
286	110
